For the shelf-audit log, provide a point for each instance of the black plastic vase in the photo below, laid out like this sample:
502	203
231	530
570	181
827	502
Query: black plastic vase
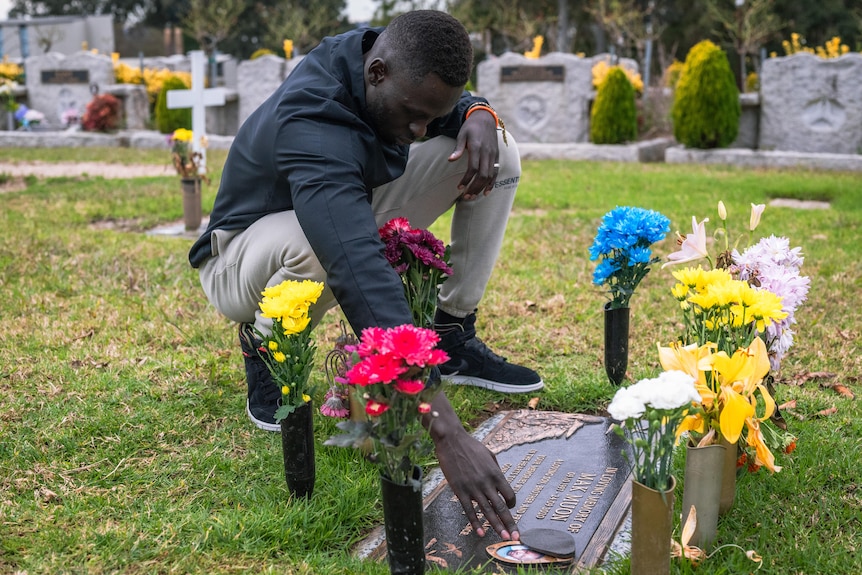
616	343
402	515
297	447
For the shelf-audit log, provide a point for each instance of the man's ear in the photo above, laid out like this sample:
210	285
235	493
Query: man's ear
376	71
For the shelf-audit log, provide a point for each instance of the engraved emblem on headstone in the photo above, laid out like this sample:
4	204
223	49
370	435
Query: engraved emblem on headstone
532	111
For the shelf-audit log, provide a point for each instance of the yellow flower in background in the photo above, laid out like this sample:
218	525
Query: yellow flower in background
306	398
273	346
287	46
279	357
183	135
831	49
537	48
285	389
602	68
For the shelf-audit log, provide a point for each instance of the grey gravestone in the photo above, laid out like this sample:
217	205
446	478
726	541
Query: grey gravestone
811	104
569	475
57	83
135	104
542	100
259	78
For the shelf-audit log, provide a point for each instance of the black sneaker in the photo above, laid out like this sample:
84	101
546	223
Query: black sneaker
472	363
264	395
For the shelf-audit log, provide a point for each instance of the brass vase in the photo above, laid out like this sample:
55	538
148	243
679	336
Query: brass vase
652	528
704	467
192	211
728	477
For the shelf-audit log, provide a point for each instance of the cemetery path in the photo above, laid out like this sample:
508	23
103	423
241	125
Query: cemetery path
97	169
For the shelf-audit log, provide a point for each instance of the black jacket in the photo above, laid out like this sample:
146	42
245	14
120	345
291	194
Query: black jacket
310	148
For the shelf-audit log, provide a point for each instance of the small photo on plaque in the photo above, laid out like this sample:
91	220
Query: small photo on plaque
512	553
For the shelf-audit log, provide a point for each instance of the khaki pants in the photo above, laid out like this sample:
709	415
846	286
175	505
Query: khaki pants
274	248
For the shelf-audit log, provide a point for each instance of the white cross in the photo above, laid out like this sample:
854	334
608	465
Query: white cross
198	98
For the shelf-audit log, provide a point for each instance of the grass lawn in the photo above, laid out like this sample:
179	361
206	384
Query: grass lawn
124	446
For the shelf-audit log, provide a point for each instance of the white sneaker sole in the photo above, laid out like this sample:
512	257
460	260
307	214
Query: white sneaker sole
274	427
456	379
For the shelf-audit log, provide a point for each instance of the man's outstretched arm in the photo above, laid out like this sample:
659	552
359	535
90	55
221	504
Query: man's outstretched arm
472	471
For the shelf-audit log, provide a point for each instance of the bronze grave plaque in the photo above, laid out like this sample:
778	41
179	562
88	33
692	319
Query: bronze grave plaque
568	473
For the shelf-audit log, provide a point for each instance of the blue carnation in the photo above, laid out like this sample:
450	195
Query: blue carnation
639	255
606	269
622	244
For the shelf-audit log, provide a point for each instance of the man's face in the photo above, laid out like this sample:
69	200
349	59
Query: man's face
400	109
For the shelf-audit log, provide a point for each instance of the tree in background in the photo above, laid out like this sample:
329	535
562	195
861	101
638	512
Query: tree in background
211	21
305	22
748	26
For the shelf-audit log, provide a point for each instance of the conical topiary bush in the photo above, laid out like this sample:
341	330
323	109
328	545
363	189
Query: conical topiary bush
706	105
168	120
614	118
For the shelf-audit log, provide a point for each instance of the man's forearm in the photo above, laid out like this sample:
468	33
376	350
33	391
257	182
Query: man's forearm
442	421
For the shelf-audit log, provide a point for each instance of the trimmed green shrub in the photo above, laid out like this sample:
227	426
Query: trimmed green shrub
169	120
614	118
706	105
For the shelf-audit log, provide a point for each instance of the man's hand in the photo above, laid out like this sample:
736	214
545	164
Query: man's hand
478	136
472	472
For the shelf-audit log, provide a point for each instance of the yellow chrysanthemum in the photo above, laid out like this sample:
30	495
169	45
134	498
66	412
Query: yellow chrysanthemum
680	291
285	390
289	302
183	135
306	398
279	357
766	309
273	346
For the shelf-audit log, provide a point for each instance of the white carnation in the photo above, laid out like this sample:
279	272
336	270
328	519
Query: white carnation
626	405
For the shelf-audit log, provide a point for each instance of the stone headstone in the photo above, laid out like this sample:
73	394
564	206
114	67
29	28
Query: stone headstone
259	78
569	476
135	104
811	104
542	100
58	83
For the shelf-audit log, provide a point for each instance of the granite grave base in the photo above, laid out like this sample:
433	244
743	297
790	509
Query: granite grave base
569	475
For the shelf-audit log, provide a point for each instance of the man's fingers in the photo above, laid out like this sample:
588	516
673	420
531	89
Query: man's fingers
497	514
467	504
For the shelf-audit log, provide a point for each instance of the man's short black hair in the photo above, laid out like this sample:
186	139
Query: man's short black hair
430	41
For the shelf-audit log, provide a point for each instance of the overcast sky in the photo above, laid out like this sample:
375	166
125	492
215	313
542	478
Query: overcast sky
357	10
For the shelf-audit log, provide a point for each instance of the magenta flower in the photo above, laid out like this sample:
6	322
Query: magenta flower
410	387
335	404
421	260
392	399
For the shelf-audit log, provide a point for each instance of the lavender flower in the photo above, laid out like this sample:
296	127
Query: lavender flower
772	265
